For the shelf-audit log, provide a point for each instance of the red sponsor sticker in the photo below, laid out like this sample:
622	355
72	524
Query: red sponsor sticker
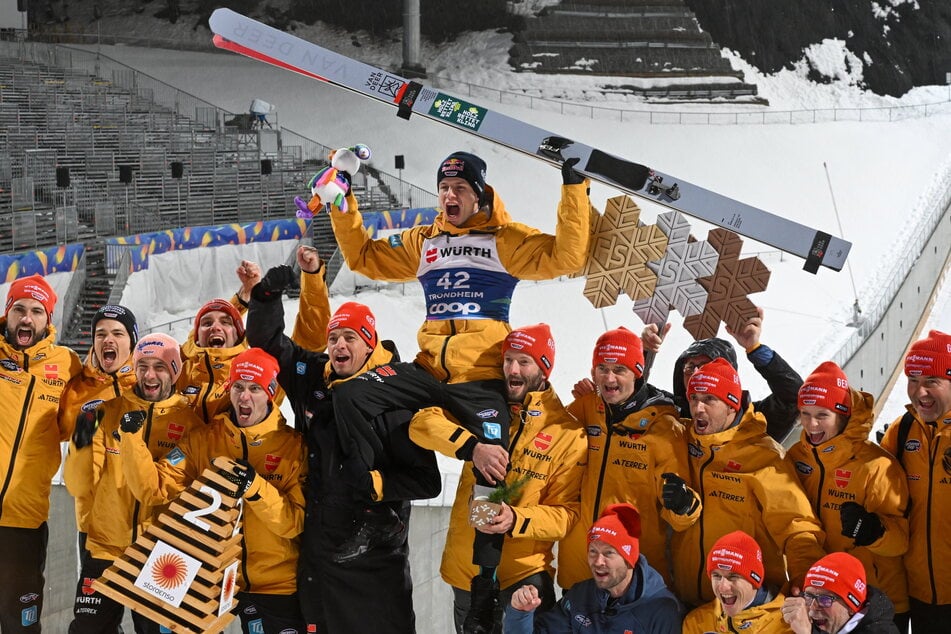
175	431
733	465
842	477
271	462
431	255
542	441
51	370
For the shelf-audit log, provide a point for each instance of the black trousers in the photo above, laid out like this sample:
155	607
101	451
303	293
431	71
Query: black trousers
541	580
270	613
927	618
95	613
479	406
23	553
333	597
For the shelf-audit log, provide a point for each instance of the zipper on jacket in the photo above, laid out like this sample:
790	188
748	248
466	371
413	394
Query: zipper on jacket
931	455
244	545
604	466
445	347
513	440
822	481
207	391
700	575
14	448
146	433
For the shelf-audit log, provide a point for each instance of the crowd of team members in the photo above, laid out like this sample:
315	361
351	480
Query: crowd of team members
673	508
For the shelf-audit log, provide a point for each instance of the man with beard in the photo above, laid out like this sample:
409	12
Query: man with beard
106	373
268	467
921	440
94	472
624	594
547	451
34	372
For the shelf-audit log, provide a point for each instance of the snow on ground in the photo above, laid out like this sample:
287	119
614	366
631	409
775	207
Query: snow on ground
883	175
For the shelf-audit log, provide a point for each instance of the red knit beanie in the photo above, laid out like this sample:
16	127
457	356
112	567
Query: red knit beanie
223	306
930	356
719	379
620	527
841	574
163	346
827	387
255	365
620	346
737	552
32	287
357	317
535	341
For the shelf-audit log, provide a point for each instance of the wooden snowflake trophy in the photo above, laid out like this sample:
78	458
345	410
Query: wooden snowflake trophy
181	572
662	267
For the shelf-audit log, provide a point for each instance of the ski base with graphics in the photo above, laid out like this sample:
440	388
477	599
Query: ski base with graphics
253	39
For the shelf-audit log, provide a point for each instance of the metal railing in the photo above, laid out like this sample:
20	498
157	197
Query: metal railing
533	98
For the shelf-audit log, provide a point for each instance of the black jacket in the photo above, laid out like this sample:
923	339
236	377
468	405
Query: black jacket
879	615
780	408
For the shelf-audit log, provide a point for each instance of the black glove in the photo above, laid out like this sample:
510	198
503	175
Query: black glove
86	425
568	174
356	475
863	527
132	421
273	283
242	474
676	496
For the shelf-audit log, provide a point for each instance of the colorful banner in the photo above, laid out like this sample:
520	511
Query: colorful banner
64	259
61	259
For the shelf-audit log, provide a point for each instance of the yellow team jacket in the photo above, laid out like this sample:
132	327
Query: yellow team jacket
204	374
927	462
745	485
761	619
31	384
313	314
624	464
274	513
463	350
548	450
84	392
94	473
851	468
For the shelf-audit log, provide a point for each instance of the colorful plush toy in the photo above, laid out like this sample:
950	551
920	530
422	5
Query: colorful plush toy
330	185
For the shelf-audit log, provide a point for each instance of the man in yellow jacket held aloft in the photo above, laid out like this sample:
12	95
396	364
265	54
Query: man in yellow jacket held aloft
469	261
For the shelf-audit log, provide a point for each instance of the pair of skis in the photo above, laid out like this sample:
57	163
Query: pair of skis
243	35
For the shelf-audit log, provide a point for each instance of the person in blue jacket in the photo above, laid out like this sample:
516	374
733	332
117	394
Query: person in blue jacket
624	594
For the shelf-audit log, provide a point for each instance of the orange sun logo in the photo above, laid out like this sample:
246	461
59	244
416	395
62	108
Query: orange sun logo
169	571
229	584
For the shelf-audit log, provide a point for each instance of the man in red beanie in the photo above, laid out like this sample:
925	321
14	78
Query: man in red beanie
836	598
269	471
739	469
921	440
341	552
741	601
858	489
34	372
636	450
468	261
624	594
547	463
94	473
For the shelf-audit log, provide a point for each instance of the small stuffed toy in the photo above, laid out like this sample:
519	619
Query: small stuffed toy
330	185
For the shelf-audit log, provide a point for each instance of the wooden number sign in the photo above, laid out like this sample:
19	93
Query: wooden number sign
181	573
